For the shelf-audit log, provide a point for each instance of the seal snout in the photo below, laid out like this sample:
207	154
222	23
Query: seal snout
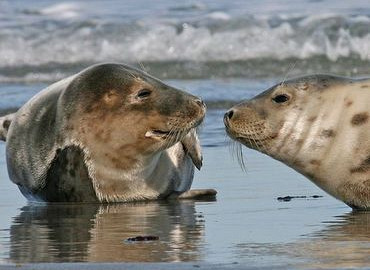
228	115
200	102
198	109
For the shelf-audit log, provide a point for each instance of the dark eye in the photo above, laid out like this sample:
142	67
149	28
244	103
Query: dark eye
144	93
281	98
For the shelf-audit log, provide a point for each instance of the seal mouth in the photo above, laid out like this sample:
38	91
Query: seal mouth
162	133
176	132
157	133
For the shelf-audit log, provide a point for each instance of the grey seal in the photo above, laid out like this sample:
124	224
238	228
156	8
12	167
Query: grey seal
110	133
319	125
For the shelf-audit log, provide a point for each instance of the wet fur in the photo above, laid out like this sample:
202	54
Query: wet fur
83	138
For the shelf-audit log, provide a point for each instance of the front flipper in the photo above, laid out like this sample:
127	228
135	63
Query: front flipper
194	194
192	148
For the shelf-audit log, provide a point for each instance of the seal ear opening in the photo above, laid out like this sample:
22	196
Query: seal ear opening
5	122
192	148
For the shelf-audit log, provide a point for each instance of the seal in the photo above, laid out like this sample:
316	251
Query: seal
319	125
110	133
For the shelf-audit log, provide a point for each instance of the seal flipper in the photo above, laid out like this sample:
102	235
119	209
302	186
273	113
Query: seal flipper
194	194
192	148
5	122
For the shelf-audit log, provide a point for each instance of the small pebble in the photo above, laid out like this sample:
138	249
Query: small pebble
289	198
142	238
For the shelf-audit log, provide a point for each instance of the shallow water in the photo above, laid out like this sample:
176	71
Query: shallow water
246	224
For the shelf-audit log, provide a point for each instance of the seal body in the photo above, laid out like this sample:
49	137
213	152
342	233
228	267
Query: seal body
319	125
110	133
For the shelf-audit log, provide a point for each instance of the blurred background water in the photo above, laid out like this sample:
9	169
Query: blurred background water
224	52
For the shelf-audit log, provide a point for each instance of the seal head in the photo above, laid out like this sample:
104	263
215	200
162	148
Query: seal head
319	125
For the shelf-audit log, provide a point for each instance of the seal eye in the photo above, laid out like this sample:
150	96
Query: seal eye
281	98
144	93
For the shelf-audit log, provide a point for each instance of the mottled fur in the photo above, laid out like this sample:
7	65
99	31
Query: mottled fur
317	125
110	133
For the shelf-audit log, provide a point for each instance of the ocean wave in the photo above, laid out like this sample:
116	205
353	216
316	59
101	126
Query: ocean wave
60	36
251	69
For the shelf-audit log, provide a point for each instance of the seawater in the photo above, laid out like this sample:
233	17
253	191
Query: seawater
246	224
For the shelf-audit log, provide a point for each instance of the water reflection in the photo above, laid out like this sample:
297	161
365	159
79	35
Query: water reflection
96	233
343	243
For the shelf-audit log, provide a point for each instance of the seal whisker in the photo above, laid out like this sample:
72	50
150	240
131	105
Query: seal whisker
142	66
290	69
170	138
241	157
237	152
130	74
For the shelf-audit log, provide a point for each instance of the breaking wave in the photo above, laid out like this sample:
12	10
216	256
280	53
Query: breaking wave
49	43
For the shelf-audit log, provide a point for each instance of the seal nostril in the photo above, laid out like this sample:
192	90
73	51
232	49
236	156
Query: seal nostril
200	102
229	114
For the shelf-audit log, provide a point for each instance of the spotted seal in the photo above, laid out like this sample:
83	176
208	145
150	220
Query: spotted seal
110	133
319	125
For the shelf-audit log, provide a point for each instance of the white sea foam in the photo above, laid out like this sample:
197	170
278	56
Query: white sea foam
62	34
219	16
64	10
163	42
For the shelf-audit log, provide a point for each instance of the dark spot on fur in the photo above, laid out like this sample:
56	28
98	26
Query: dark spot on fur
274	135
315	162
312	118
360	119
363	168
263	114
6	124
328	133
349	103
300	142
298	163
